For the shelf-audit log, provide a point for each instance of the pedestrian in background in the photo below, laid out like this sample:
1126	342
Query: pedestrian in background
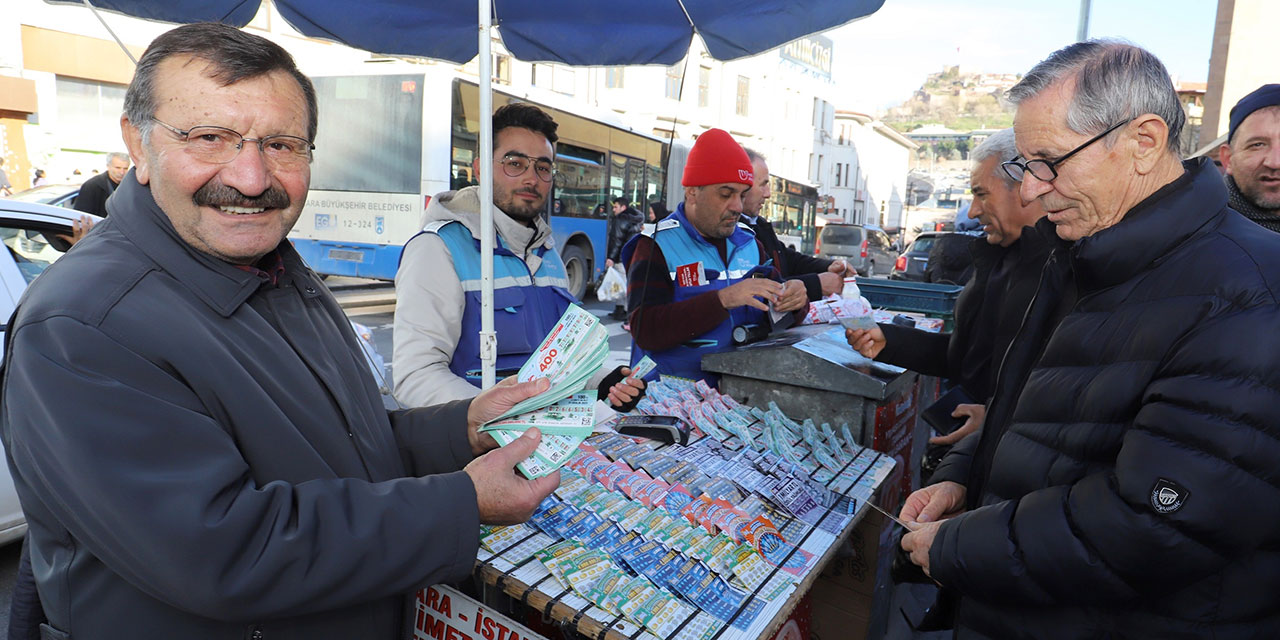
6	189
625	224
657	211
95	191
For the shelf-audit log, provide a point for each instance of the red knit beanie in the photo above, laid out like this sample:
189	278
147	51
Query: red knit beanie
716	159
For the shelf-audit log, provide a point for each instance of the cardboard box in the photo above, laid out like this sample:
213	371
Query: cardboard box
851	596
894	433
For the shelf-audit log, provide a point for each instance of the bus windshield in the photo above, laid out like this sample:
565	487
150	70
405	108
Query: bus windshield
379	145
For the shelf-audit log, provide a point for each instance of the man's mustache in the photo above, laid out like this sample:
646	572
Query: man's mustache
220	195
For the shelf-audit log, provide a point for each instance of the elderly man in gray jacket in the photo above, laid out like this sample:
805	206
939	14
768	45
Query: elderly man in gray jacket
198	446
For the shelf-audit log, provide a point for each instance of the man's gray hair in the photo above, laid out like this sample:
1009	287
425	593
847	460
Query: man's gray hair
117	155
1000	146
233	55
753	155
1115	81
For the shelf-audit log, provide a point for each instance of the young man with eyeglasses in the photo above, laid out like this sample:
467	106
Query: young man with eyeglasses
1125	493
437	323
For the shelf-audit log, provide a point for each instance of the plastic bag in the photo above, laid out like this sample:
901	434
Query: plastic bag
613	287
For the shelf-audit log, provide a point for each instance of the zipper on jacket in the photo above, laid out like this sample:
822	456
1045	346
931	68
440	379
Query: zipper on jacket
979	466
255	632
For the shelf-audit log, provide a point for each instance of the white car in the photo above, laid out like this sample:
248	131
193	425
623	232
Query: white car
29	232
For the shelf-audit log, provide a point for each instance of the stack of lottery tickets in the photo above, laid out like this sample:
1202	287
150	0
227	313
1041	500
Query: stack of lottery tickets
696	537
565	413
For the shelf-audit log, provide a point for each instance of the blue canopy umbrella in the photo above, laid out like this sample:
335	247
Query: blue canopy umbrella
574	32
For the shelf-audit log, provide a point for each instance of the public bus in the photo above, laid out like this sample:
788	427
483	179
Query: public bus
392	136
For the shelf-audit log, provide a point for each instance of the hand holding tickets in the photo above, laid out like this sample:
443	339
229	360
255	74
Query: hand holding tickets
574	349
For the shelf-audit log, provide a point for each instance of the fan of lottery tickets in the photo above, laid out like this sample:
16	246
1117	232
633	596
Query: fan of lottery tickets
565	413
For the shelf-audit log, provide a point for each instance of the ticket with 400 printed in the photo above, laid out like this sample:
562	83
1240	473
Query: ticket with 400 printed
559	347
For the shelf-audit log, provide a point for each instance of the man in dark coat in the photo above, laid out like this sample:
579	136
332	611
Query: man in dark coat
821	277
95	191
1129	495
198	445
625	224
990	308
1251	156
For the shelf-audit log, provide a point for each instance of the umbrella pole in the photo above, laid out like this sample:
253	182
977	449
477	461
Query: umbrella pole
106	26
488	339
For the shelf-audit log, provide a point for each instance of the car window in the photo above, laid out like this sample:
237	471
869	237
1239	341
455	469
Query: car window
45	194
923	245
32	250
841	235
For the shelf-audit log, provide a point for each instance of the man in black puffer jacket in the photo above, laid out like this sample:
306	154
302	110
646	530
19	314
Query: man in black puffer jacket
625	224
1133	492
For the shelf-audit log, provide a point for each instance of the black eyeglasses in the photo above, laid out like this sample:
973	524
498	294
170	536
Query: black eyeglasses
515	164
1047	170
220	145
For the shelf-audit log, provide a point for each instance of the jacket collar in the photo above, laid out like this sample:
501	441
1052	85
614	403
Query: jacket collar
1151	229
1245	206
463	206
221	285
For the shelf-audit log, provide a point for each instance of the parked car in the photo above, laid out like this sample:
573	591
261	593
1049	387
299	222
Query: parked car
58	195
912	263
868	249
29	232
950	249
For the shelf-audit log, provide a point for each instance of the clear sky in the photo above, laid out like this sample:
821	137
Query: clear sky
879	60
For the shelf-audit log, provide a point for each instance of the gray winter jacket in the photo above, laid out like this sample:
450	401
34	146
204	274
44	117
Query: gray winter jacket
203	454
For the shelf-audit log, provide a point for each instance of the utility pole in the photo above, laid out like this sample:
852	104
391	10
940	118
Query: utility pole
1082	32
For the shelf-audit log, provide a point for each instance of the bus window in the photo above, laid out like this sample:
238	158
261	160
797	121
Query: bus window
634	190
369	136
653	188
617	176
580	181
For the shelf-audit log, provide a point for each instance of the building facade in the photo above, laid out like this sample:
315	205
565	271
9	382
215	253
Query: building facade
63	77
868	173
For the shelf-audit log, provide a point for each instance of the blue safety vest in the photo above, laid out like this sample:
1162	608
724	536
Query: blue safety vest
682	245
525	306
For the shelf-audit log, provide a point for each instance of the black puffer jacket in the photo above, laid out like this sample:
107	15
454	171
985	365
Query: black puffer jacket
621	228
1135	491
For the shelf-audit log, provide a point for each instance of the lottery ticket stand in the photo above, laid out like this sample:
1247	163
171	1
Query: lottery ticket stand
755	532
810	370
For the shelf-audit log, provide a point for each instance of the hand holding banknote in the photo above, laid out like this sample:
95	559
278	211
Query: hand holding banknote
868	342
502	496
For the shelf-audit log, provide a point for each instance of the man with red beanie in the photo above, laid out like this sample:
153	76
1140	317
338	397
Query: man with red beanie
699	273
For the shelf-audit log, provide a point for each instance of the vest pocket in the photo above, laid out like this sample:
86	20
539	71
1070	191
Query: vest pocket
511	323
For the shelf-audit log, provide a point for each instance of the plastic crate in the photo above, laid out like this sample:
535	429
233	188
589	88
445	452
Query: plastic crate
937	300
